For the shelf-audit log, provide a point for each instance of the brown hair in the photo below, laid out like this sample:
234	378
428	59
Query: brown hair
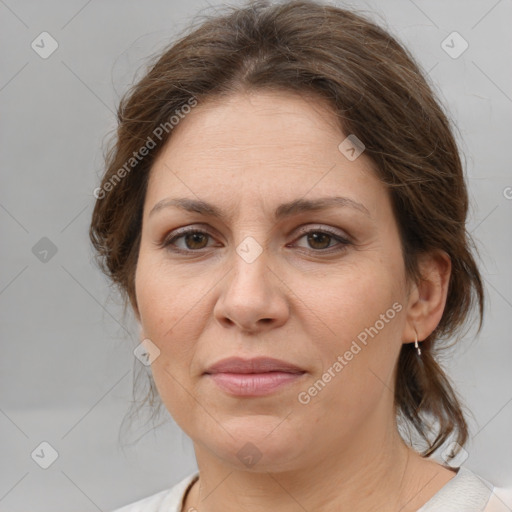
379	94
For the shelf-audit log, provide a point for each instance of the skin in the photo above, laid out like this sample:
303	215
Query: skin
299	300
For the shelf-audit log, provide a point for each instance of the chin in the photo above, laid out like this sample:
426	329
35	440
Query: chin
257	444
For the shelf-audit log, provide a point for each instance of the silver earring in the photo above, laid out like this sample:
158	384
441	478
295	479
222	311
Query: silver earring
416	346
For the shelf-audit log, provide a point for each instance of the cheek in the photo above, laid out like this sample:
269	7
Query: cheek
173	313
167	321
163	311
360	312
163	299
349	299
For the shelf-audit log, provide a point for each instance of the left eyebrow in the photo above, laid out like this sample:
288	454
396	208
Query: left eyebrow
284	210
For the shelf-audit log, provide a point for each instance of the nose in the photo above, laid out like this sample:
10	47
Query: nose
252	298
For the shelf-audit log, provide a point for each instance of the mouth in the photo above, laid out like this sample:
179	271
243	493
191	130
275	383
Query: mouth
253	384
253	377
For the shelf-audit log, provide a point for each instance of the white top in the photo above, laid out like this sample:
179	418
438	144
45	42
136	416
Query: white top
465	492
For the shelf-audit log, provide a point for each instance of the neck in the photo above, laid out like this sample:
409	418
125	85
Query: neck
367	476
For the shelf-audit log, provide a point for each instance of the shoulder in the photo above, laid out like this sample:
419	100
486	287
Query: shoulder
168	500
466	491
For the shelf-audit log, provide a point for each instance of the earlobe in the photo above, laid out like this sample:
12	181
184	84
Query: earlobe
427	299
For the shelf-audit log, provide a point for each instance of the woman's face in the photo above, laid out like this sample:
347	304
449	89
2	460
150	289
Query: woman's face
322	289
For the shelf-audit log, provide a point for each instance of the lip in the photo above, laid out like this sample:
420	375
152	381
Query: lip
253	377
254	365
253	384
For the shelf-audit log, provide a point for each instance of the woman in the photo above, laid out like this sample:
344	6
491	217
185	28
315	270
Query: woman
284	209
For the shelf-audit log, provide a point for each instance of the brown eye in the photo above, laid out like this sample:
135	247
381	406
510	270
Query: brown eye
196	240
319	240
323	241
187	240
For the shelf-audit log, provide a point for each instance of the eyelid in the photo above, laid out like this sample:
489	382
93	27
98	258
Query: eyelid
307	228
185	230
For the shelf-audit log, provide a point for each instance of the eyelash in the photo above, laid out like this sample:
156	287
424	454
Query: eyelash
169	241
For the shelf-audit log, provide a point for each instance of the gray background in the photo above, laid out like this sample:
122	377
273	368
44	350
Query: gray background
66	362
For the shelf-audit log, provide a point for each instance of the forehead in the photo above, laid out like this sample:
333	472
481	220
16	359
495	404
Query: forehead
273	124
257	146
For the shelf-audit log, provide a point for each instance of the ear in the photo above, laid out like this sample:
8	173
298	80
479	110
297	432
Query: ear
427	298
